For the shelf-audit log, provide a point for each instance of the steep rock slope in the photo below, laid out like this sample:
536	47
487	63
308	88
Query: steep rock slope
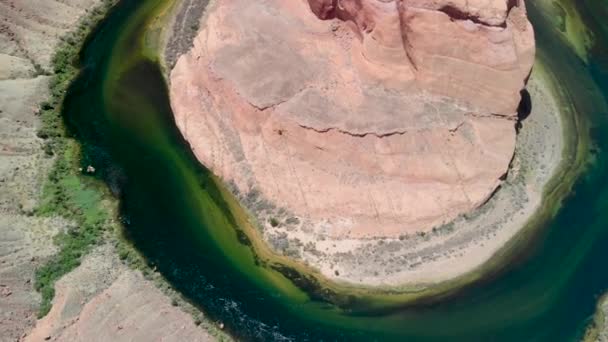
358	117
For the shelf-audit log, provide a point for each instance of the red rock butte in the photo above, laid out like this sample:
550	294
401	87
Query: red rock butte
363	117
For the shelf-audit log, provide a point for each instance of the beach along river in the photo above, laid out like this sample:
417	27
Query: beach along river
176	215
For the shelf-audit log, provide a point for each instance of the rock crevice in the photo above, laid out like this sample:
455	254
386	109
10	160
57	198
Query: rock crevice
355	135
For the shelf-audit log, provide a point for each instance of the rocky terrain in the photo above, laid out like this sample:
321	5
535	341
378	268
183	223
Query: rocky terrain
103	299
369	129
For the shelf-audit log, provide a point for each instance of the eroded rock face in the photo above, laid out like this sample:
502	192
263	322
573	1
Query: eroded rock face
362	117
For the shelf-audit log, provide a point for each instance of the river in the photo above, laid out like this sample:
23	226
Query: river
176	215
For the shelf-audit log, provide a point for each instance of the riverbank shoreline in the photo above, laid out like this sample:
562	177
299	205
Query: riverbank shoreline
94	259
597	331
30	240
468	255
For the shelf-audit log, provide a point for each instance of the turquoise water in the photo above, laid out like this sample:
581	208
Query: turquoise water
173	212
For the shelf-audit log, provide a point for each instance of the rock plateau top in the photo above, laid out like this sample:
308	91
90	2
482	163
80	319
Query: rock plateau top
359	117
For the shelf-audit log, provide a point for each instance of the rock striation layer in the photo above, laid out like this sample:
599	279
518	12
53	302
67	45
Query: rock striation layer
359	117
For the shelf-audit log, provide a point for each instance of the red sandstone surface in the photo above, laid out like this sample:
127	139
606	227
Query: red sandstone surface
363	117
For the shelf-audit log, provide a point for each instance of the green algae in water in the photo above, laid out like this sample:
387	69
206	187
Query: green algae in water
176	216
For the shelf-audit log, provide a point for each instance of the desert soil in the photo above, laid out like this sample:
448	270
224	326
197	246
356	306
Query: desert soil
102	299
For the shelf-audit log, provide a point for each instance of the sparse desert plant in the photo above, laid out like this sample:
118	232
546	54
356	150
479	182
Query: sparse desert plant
274	222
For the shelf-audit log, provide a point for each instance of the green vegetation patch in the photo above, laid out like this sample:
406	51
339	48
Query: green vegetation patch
66	192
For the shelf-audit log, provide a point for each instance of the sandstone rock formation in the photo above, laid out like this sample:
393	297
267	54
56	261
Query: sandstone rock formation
361	117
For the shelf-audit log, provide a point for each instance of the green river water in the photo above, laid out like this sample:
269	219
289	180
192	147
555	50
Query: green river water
173	212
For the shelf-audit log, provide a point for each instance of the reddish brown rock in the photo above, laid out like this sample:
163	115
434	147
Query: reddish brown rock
362	117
